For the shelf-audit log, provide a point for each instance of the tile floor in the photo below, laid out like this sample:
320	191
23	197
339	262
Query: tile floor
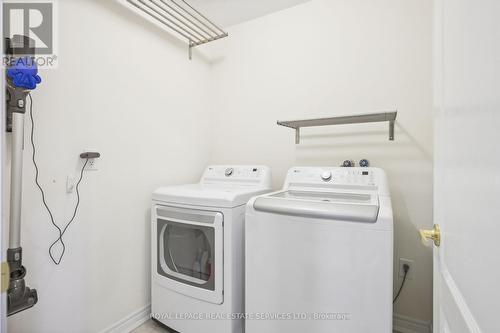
151	327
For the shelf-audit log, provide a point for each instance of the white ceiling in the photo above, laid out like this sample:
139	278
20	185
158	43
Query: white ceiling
230	12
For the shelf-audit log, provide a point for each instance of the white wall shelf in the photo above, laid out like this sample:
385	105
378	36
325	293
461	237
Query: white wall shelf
342	120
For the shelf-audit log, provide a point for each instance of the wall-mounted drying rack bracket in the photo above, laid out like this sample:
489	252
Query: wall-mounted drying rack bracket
181	18
343	120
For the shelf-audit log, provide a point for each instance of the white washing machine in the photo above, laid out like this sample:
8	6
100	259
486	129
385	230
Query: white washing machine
319	254
198	249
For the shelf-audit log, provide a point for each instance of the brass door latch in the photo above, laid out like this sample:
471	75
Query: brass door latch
434	235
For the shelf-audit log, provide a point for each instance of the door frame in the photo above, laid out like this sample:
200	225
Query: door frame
4	217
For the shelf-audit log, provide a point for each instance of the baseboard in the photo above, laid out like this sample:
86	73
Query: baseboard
404	324
130	322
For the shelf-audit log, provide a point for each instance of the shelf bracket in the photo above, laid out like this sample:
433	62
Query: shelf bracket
343	120
391	129
297	135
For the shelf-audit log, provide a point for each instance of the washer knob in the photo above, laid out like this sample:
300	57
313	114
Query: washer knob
229	172
348	164
326	176
364	163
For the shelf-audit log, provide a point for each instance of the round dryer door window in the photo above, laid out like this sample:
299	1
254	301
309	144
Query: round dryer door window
189	251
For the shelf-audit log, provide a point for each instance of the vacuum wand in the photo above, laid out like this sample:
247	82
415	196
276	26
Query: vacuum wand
16	105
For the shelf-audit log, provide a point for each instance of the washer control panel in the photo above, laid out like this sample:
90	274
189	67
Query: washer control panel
335	177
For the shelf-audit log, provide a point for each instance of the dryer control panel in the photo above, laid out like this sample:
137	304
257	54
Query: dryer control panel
256	175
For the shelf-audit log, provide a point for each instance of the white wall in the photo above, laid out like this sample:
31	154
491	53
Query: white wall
326	58
128	90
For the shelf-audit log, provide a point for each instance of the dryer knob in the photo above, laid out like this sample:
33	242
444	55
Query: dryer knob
326	176
229	172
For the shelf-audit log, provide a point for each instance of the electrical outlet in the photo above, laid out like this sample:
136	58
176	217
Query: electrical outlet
92	163
411	272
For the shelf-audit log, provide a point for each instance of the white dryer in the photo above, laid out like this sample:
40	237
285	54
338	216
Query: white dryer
198	249
319	254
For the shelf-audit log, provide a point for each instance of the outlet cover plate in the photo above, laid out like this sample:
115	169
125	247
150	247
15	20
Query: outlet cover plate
92	163
411	272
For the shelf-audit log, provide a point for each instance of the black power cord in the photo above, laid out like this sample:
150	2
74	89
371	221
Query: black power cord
61	231
406	268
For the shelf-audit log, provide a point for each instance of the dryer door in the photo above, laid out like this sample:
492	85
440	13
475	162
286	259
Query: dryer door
189	252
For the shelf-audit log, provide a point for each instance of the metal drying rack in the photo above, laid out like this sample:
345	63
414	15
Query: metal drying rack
182	18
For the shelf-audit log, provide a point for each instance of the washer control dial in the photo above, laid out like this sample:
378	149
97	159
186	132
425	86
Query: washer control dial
348	164
229	172
326	176
364	163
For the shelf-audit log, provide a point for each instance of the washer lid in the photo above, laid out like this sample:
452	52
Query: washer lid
359	207
209	195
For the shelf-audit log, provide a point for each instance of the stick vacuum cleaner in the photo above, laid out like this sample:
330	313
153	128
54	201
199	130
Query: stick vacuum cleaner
21	77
